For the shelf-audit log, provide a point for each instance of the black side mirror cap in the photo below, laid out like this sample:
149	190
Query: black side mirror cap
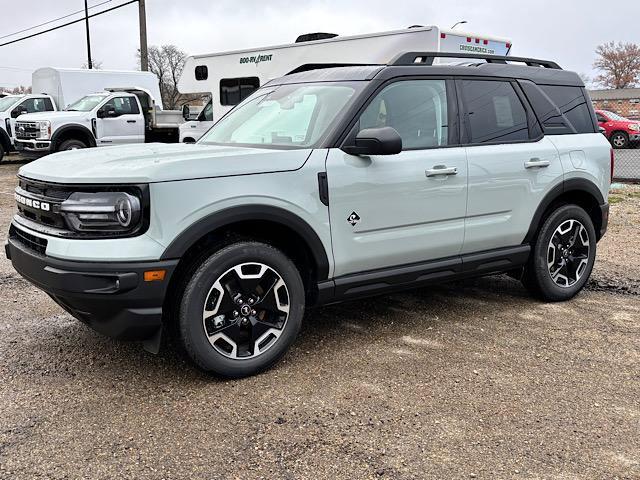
18	111
375	141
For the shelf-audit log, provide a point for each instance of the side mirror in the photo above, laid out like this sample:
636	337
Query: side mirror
375	141
18	111
109	112
186	112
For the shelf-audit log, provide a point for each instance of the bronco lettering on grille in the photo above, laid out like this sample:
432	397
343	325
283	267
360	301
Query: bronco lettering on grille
29	202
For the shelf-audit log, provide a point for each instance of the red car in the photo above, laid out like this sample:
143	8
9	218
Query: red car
619	130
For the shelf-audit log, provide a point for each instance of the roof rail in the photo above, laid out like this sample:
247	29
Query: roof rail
427	58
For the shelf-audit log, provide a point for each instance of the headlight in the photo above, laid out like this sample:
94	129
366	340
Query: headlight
44	129
634	126
102	212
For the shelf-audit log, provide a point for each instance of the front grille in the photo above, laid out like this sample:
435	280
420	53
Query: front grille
26	130
32	242
32	196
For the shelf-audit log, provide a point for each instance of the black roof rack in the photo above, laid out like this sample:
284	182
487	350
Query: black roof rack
427	58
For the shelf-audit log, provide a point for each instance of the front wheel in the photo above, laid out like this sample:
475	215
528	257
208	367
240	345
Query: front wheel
72	144
241	309
620	140
563	255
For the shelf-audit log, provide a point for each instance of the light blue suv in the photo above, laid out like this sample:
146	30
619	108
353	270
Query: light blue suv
322	186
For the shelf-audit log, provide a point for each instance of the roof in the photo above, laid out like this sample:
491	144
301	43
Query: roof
539	75
615	94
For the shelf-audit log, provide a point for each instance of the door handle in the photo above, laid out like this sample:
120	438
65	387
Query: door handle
441	170
131	121
536	163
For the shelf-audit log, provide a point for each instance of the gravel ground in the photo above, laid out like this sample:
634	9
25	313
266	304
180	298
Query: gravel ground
469	380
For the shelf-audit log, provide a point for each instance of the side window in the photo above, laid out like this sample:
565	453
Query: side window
202	72
206	115
234	90
33	105
495	112
601	118
48	105
417	109
573	104
123	105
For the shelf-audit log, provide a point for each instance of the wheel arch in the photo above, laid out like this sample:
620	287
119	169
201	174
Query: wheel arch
579	191
73	131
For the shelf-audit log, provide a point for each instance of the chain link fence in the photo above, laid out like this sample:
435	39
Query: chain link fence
627	164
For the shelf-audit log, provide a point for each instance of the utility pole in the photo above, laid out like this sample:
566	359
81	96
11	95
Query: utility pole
144	54
86	23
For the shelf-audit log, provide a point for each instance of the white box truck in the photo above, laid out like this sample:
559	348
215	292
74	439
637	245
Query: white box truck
232	76
96	108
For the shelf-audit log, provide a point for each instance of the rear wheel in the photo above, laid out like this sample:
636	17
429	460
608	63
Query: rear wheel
71	144
563	255
619	140
241	309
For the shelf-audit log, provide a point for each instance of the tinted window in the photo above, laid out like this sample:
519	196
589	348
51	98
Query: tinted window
417	109
573	104
123	105
496	114
206	115
33	105
202	72
234	90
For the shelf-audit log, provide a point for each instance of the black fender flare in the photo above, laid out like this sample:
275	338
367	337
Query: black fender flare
73	126
232	215
570	185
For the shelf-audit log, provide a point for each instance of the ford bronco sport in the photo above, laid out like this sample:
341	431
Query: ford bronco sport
322	186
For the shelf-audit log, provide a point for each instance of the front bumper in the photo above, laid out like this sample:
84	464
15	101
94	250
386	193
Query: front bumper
112	298
33	145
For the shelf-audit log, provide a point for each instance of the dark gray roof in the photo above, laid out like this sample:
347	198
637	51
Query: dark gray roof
617	94
335	74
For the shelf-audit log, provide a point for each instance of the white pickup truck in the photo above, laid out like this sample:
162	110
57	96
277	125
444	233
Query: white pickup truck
11	107
113	117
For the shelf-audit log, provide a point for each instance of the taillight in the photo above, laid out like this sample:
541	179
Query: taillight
613	162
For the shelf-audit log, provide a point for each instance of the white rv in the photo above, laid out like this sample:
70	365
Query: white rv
232	76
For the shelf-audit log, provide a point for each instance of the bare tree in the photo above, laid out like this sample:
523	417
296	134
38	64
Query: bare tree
95	64
21	90
619	64
167	62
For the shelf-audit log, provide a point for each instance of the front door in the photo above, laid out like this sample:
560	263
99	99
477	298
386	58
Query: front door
124	125
406	208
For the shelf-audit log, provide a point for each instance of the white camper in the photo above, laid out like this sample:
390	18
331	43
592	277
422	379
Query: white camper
232	76
68	85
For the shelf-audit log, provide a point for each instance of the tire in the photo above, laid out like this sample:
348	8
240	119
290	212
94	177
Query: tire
545	276
619	140
71	144
225	318
1	152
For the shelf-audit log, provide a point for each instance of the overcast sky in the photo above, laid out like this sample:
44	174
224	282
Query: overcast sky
566	31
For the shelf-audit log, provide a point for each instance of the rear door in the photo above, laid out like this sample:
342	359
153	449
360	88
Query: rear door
406	208
126	125
511	164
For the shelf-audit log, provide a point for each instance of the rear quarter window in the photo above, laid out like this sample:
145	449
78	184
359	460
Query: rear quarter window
572	102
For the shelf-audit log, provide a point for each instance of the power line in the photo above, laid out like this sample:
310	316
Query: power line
67	24
54	20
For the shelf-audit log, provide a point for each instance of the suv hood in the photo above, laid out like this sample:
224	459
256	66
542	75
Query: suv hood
33	117
159	162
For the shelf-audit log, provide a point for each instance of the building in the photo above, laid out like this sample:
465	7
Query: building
623	101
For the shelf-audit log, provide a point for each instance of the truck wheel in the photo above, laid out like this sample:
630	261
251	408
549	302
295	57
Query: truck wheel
72	144
619	140
241	309
563	255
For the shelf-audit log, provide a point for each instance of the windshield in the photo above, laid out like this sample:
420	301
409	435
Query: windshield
283	116
8	102
86	104
615	116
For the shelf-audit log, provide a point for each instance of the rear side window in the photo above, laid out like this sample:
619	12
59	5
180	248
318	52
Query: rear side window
202	72
573	104
495	112
234	90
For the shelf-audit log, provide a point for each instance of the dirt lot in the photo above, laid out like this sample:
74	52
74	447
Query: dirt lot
471	380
